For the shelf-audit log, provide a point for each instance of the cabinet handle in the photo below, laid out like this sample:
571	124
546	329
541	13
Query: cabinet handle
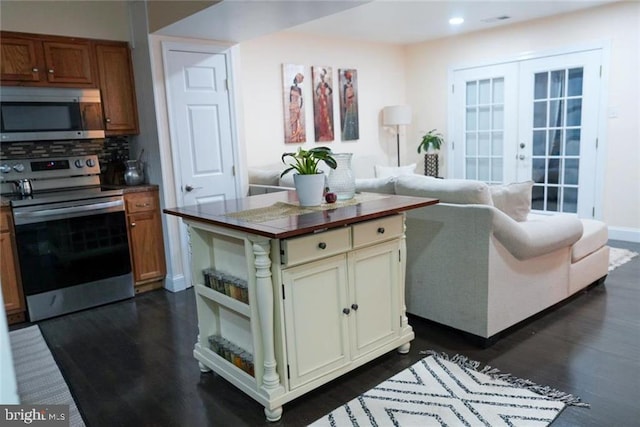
133	224
322	245
34	69
346	311
142	205
50	70
108	120
354	307
380	230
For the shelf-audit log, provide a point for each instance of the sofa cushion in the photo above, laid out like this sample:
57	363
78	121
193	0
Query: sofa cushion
264	176
376	185
458	191
594	236
287	180
513	199
390	171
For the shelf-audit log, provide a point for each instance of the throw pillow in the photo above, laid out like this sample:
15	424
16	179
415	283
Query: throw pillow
391	171
513	199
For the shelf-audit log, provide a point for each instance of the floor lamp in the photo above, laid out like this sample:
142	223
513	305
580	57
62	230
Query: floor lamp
396	115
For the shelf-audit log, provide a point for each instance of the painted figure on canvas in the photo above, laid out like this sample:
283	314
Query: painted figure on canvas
323	104
294	128
349	105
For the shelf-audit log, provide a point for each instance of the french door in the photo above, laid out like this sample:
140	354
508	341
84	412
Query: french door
532	119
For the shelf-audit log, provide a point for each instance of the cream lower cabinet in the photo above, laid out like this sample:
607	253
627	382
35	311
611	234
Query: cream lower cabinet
339	309
315	306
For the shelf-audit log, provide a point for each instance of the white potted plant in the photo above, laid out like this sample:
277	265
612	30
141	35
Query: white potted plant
309	181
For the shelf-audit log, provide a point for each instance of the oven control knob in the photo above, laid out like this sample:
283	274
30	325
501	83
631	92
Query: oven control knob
5	168
19	167
79	163
91	163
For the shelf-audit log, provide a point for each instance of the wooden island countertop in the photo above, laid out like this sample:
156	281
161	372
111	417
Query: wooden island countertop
297	221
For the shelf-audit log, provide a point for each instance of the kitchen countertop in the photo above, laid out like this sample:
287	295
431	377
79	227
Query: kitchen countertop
131	188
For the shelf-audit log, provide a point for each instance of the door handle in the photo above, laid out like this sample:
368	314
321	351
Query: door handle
189	188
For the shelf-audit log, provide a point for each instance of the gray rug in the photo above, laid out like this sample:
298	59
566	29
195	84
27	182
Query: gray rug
39	379
437	391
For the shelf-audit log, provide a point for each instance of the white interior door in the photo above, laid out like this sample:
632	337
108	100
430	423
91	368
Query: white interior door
200	123
558	131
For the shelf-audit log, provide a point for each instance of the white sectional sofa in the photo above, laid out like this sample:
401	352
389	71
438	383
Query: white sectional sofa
479	261
473	267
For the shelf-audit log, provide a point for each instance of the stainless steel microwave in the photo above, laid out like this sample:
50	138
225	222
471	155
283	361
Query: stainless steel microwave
47	114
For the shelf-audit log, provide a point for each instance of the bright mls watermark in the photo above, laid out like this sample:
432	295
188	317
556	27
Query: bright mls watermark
34	415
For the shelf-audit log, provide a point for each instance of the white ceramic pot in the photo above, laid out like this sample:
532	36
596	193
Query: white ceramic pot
309	188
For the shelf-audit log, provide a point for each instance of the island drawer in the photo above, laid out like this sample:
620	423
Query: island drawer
315	246
377	230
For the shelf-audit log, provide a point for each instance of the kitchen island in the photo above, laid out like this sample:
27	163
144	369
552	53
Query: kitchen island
289	298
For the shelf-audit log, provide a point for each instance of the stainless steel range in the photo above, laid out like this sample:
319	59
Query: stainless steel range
71	234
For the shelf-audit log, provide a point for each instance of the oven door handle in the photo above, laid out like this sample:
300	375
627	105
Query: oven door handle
30	217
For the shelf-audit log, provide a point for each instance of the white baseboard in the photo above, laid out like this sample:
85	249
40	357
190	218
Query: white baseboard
175	283
624	233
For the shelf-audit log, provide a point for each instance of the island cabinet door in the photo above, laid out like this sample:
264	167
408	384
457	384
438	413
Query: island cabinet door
316	316
374	276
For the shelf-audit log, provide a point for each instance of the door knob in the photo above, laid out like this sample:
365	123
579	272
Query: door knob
522	145
346	311
189	188
354	307
521	156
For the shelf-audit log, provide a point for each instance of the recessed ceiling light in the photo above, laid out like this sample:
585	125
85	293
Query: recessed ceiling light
456	21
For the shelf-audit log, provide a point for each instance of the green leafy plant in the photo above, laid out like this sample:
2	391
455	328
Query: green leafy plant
431	140
306	161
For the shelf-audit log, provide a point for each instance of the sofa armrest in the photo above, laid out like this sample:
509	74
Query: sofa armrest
538	235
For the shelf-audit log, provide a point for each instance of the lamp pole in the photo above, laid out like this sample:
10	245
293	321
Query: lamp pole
396	115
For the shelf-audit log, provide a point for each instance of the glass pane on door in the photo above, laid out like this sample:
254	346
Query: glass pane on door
484	130
557	124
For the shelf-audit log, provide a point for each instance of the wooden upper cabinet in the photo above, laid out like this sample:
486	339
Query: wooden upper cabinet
57	61
69	62
21	60
115	80
37	60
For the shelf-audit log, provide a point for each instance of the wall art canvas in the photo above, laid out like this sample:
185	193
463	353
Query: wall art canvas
294	105
322	78
348	80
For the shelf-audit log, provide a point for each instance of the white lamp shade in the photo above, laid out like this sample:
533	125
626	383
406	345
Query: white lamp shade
396	115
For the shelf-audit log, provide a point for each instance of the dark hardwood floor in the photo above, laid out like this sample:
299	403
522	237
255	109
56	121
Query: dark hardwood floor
131	364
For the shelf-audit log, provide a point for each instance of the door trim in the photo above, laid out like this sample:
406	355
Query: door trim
601	131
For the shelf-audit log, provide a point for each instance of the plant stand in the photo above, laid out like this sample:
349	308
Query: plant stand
431	165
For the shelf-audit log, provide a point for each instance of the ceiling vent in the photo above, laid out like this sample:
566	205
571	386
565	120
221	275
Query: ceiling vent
496	19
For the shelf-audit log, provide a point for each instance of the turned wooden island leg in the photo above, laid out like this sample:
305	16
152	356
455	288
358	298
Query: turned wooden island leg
264	288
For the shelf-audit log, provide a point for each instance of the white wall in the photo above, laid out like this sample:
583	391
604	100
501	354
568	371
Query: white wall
380	82
108	20
618	24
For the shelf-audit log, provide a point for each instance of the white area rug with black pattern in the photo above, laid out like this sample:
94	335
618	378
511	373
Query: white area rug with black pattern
440	392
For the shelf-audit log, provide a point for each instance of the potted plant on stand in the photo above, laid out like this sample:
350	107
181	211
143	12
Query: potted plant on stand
431	143
309	181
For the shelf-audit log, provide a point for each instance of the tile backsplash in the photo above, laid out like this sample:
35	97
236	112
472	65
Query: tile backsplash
108	149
